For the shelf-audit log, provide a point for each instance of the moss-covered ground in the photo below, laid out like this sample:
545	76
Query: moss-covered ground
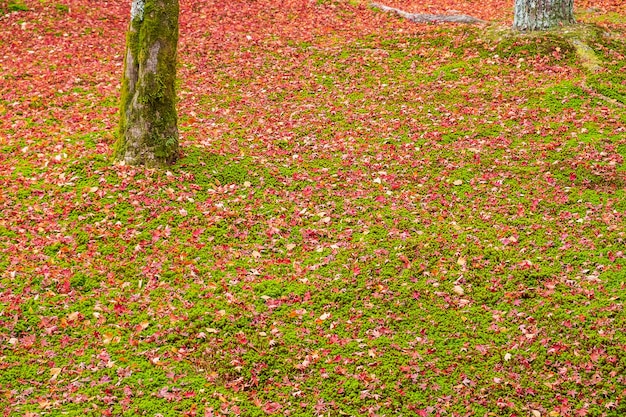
369	217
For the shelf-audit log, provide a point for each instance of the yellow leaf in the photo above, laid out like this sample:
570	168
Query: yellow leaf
107	338
73	316
55	373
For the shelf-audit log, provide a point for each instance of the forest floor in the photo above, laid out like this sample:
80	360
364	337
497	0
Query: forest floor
370	217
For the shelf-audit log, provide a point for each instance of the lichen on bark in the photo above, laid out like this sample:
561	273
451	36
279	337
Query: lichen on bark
148	131
136	9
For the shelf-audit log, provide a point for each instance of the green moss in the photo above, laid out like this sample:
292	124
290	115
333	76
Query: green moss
17	6
611	85
62	8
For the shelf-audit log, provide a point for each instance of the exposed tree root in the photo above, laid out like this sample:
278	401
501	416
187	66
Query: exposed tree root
587	55
428	18
589	90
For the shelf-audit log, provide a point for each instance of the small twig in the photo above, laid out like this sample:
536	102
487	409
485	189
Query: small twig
427	18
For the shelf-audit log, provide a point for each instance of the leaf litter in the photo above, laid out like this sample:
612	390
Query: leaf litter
371	217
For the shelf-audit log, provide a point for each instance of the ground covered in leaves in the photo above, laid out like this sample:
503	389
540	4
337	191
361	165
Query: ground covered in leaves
370	217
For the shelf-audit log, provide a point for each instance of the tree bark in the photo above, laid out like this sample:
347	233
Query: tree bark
542	14
148	121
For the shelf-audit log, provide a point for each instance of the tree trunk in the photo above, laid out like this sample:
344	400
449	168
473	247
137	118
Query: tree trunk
148	120
542	14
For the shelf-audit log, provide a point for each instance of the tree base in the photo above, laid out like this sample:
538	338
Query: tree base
584	44
575	37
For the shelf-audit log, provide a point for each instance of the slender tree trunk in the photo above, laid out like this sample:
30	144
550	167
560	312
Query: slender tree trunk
542	14
148	120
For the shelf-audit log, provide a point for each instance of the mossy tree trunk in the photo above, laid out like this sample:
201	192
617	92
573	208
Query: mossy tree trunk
542	14
148	121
